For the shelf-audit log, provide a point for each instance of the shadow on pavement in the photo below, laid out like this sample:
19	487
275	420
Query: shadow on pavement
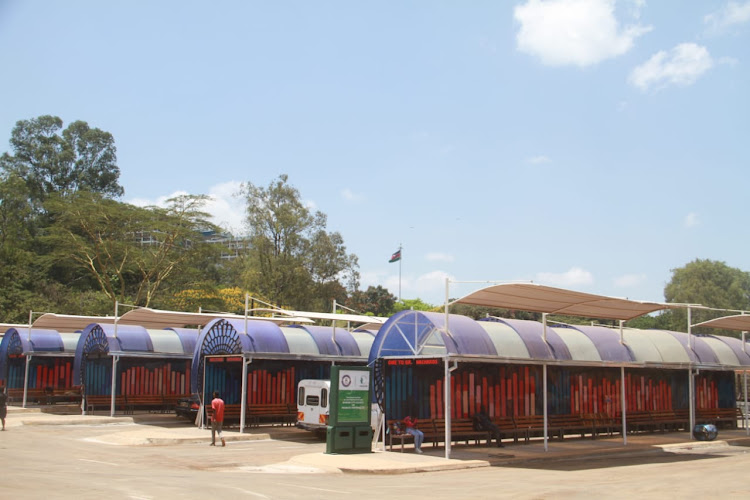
601	462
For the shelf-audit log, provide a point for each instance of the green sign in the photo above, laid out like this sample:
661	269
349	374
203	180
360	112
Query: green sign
354	396
350	395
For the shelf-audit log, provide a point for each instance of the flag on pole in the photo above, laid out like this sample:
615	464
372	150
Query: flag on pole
396	256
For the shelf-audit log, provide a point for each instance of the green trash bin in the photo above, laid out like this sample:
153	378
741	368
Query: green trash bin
363	438
339	439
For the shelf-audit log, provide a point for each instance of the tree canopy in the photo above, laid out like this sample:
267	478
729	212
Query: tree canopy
53	160
293	260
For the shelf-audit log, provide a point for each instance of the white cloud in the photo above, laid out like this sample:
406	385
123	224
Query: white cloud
573	277
682	65
732	14
350	195
225	207
439	257
691	220
629	280
538	160
574	32
428	283
430	286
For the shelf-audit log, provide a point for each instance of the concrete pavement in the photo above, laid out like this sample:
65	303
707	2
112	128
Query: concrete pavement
161	430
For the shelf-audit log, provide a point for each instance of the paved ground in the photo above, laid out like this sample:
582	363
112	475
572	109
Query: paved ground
159	456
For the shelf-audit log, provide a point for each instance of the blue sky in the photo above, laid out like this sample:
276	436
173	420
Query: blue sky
589	144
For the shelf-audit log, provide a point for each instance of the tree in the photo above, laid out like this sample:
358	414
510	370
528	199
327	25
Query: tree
376	300
82	158
127	252
415	304
709	283
293	260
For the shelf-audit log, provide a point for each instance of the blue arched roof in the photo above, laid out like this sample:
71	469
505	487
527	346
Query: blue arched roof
17	341
227	337
99	338
414	333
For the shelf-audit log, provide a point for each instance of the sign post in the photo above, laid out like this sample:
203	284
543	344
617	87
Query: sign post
349	429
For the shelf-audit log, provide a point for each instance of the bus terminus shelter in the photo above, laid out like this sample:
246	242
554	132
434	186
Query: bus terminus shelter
133	362
257	362
434	365
37	363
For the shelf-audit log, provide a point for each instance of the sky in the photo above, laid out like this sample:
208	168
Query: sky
594	145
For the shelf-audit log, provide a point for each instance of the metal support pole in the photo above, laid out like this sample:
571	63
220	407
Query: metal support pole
447	381
691	381
747	429
447	393
744	384
544	386
246	300
544	402
333	324
115	359
243	399
691	389
26	380
623	406
203	395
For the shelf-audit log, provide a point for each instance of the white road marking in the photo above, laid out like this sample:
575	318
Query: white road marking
259	495
98	462
316	489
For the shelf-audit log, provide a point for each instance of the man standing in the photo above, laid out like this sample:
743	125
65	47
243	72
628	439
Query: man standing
217	420
3	405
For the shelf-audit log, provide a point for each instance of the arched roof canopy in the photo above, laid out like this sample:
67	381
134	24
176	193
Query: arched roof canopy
413	333
18	341
102	339
266	339
419	333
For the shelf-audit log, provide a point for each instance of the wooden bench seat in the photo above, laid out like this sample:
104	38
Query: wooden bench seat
396	432
282	413
462	429
639	421
508	428
668	420
150	402
46	395
720	416
95	401
570	424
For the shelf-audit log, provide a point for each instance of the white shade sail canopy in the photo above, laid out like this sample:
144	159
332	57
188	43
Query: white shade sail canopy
546	299
350	318
739	322
153	318
147	318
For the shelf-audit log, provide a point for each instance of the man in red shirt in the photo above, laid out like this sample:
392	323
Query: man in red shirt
217	420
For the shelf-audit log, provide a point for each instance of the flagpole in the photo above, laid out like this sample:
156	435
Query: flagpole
400	255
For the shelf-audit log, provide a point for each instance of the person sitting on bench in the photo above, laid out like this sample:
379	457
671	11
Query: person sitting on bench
482	422
411	428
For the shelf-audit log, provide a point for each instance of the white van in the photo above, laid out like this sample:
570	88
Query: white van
313	409
312	404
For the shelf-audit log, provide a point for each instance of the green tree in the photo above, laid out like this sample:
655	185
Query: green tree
710	283
293	259
125	251
79	158
21	272
415	304
376	300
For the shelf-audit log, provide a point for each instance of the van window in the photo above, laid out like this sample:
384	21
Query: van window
324	398
301	396
312	400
